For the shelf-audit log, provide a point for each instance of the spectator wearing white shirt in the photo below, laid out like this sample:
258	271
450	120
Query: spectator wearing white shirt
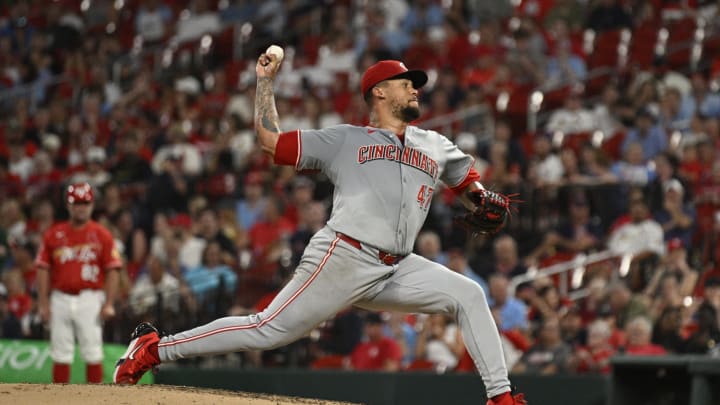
178	148
640	235
152	284
572	118
545	167
153	21
201	20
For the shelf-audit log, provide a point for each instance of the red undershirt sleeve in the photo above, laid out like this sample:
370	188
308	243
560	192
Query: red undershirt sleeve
288	149
471	177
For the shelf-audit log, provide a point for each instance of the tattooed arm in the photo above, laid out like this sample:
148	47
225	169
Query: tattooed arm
267	122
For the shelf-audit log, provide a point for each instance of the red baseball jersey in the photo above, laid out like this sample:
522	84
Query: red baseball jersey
77	257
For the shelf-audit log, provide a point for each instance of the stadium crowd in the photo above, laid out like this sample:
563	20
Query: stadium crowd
151	103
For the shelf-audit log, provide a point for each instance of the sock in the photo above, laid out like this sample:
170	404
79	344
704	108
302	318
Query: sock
94	373
61	373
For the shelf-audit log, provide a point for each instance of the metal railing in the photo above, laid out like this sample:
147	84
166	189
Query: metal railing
571	272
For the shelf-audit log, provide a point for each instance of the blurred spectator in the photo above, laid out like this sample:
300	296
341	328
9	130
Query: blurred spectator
153	21
666	166
170	189
564	67
23	250
156	286
200	20
212	276
10	327
399	329
428	246
633	168
341	334
130	170
570	12
701	100
579	234
671	114
93	172
594	166
676	218
301	196
547	303
666	332
505	259
511	311
625	305
178	149
573	118
605	115
440	343
545	167
174	235
10	183
705	338
639	333
648	133
377	352
549	355
208	229
640	235
312	218
19	301
251	206
673	280
595	357
526	60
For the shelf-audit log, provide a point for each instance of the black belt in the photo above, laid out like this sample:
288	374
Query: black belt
385	257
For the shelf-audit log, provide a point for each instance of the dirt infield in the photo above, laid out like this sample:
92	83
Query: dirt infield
21	394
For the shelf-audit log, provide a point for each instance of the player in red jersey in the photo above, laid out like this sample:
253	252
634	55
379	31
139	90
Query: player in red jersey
77	282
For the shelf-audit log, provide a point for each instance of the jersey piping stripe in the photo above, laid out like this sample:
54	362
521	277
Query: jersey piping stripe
299	151
268	319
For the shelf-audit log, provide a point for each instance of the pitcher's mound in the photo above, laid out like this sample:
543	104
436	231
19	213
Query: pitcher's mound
56	394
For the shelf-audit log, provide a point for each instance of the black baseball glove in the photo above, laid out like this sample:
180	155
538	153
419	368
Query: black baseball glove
490	214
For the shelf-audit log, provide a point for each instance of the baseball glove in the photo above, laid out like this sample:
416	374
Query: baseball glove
491	212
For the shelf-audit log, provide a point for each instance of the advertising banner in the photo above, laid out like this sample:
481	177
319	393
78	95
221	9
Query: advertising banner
28	361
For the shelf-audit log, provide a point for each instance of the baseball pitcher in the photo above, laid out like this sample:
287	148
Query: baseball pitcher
77	281
385	176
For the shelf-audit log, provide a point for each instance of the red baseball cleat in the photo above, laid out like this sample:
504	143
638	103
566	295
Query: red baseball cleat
140	356
508	399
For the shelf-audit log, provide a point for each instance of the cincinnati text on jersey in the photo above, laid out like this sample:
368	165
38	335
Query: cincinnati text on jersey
83	253
405	155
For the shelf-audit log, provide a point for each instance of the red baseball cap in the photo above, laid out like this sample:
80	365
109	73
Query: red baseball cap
79	193
390	69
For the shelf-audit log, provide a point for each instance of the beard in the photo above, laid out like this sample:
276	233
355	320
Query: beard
409	113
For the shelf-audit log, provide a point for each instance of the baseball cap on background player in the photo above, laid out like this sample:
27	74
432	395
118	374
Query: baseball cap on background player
390	69
79	193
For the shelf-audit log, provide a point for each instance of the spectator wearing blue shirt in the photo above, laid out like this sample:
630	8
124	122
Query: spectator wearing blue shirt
648	133
208	277
564	67
511	311
700	100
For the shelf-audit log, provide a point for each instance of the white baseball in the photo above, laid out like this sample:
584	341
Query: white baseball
277	51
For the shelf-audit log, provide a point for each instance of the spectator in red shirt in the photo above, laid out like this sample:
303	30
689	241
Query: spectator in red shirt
639	333
595	357
377	352
19	301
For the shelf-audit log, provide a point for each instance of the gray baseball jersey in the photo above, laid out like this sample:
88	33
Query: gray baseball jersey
383	189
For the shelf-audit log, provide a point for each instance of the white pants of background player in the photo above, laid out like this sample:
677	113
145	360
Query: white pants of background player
76	317
332	275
